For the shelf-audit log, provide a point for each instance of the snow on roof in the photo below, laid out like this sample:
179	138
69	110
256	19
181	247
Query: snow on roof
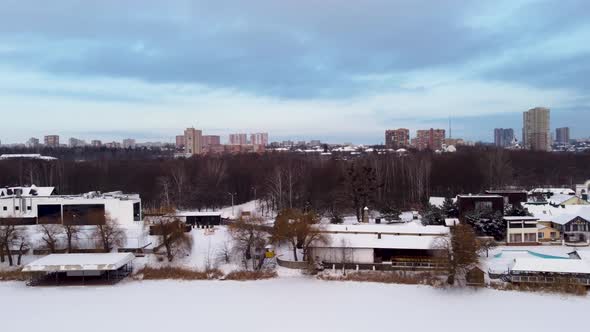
79	262
564	191
199	214
451	222
551	265
559	199
26	156
26	191
364	241
408	228
480	196
559	214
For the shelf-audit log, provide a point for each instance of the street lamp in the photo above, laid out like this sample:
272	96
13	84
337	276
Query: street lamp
232	203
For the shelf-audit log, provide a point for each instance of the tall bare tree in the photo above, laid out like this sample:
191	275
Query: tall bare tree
248	234
109	234
173	238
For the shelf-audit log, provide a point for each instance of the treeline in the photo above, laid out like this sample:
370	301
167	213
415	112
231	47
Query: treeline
332	185
94	153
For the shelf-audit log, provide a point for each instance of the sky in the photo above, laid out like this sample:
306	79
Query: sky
339	71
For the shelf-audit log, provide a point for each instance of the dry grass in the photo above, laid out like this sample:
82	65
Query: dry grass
557	287
250	275
177	273
13	275
388	278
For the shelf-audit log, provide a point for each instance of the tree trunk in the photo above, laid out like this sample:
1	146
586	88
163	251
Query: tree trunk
295	252
10	262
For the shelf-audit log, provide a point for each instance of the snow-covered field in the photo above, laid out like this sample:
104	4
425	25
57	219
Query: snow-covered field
284	304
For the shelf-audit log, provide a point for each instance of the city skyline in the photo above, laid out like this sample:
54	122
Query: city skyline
154	67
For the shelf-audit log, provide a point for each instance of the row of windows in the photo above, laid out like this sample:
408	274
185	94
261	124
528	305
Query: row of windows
16	208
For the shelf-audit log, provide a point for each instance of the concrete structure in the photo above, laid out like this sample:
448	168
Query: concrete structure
37	205
51	141
180	142
259	139
432	139
503	137
535	129
32	142
238	139
96	143
209	140
129	143
538	270
193	141
468	203
75	143
562	135
521	230
397	138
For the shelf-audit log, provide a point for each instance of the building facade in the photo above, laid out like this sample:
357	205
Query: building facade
96	143
503	137
209	140
432	139
32	142
535	129
51	141
259	139
562	135
193	140
238	139
397	138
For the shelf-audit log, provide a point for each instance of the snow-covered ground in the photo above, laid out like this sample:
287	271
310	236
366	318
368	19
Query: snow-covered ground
286	304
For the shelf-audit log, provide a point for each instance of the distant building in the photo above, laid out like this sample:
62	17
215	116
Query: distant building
96	143
562	135
238	139
51	141
75	143
454	141
315	142
33	142
193	140
209	140
430	139
180	141
503	137
113	145
129	143
535	129
397	138
259	139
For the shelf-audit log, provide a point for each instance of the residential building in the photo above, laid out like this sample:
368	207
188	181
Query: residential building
550	271
38	205
32	142
96	143
454	141
397	138
562	135
432	139
75	143
259	139
521	230
511	197
503	137
469	203
113	145
129	143
51	141
209	140
315	142
535	129
180	141
193	140
238	139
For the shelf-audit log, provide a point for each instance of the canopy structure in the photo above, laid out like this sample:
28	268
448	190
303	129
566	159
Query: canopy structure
80	262
538	265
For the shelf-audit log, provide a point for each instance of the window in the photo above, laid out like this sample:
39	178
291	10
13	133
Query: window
553	235
16	208
29	208
483	205
530	237
84	214
515	238
541	235
5	208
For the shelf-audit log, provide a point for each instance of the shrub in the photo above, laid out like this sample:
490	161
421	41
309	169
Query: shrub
150	273
13	275
250	275
411	278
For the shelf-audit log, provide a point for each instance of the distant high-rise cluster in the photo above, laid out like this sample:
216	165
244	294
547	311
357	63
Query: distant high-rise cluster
433	139
51	141
193	141
535	129
503	137
238	139
430	139
259	139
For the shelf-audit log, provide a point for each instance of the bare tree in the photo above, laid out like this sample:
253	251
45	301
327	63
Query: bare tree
173	238
458	252
72	233
109	234
299	229
224	253
248	234
8	234
51	236
485	244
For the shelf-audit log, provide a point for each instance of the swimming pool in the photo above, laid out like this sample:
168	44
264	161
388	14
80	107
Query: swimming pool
532	253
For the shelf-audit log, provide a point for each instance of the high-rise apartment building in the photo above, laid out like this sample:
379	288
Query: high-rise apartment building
211	140
259	139
75	143
51	141
180	141
32	142
535	129
430	139
96	143
129	143
397	138
562	135
503	137
193	141
238	139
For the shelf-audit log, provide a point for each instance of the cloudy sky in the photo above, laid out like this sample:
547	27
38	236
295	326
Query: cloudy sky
301	69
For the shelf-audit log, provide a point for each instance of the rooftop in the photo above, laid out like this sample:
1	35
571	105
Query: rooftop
410	228
79	262
372	241
551	265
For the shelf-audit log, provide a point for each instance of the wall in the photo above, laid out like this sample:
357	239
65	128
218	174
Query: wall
339	255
